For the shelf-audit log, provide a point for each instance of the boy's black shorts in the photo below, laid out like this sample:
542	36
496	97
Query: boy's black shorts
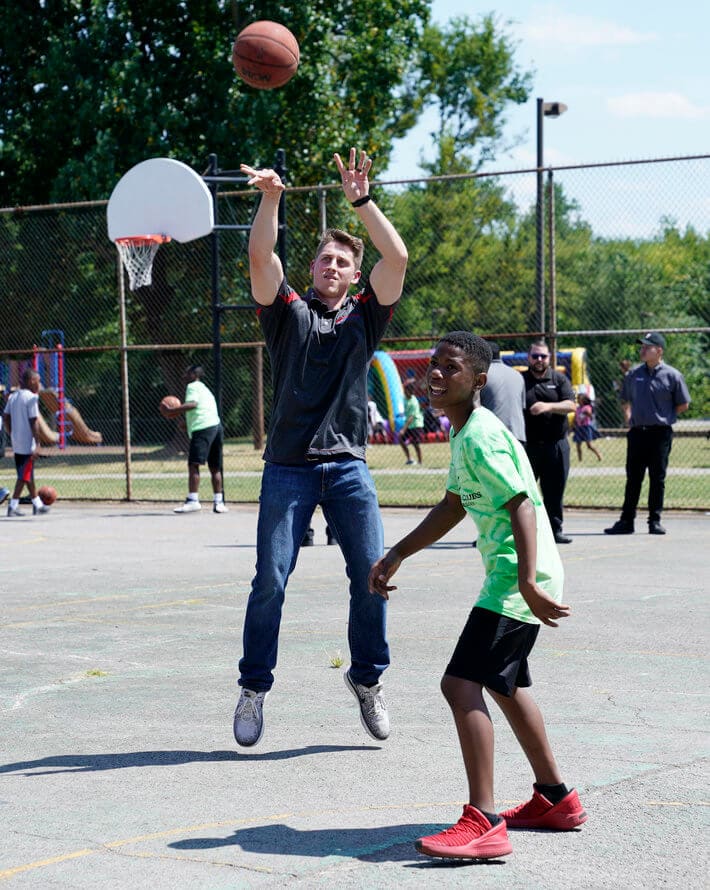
413	434
25	467
206	447
493	651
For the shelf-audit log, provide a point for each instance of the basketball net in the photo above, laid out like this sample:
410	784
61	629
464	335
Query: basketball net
137	254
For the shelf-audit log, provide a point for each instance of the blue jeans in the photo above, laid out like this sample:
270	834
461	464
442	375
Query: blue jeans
289	495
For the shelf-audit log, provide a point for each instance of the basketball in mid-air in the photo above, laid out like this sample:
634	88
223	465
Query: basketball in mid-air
265	55
168	402
47	494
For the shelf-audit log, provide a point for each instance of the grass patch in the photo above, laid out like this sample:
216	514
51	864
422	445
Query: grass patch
99	473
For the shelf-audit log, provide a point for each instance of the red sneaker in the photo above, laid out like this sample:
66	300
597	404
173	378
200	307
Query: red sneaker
473	837
540	813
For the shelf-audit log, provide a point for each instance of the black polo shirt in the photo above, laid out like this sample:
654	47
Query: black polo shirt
552	387
319	364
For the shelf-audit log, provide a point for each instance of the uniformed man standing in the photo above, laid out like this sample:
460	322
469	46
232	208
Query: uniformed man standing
653	394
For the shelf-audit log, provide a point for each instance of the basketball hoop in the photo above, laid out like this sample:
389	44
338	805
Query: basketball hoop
137	254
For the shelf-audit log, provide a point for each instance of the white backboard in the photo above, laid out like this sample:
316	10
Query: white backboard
160	196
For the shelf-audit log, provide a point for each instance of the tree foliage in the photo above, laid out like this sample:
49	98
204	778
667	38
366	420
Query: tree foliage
92	87
467	71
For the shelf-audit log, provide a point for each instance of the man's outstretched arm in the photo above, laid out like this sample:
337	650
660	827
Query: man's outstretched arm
265	269
387	275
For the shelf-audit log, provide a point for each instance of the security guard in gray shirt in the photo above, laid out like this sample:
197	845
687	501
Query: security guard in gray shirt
653	395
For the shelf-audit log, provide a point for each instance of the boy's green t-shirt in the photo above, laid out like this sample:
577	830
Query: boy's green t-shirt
413	412
488	468
205	414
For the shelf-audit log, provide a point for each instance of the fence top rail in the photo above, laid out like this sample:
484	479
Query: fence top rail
448	177
388	341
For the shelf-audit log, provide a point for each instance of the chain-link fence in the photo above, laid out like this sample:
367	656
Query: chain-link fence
626	249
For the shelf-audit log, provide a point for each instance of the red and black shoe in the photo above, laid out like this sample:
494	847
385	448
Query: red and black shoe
473	837
538	812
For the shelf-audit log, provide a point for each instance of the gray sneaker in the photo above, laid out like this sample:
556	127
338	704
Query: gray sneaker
373	710
249	718
43	509
14	511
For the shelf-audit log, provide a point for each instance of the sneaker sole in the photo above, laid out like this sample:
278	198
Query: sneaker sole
491	851
349	684
558	822
258	738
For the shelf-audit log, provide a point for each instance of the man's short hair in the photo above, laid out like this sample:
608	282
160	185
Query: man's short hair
538	344
357	245
477	350
28	375
197	370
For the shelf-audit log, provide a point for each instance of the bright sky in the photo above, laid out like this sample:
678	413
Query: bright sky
634	75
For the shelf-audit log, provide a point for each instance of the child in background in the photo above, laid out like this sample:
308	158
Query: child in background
490	478
413	429
584	427
375	423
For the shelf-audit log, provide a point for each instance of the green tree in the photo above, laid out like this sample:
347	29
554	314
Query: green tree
92	87
467	71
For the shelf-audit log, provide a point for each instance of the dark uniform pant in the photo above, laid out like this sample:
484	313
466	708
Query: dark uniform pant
550	463
647	448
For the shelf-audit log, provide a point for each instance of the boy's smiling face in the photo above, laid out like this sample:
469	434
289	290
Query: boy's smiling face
452	382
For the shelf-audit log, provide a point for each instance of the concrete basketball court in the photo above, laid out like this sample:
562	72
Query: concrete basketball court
120	637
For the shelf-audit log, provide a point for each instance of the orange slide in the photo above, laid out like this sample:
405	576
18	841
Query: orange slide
80	431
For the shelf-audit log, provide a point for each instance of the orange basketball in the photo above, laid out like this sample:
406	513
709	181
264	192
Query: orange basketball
168	402
265	55
47	494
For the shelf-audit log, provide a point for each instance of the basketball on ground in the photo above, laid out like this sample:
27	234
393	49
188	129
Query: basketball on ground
167	403
47	495
265	55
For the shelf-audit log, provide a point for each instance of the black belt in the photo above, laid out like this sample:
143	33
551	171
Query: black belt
653	426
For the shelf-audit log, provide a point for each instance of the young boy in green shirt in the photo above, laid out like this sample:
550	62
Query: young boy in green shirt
413	429
490	478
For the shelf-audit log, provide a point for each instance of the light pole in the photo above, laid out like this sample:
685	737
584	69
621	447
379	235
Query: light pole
544	109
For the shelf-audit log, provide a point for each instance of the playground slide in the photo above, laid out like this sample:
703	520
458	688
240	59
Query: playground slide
46	435
80	431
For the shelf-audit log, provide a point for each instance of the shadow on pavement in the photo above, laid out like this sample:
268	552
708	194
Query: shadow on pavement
81	763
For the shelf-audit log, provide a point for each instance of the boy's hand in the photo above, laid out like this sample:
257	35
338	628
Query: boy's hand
268	181
381	572
354	176
543	606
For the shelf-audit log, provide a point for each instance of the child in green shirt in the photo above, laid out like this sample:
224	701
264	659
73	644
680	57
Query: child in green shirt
413	429
490	479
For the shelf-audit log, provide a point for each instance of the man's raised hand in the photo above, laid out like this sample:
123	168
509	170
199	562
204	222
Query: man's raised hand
267	181
354	176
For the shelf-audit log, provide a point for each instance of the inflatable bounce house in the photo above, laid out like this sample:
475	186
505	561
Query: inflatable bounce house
389	371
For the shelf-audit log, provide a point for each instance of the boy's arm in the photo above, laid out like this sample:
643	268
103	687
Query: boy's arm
438	521
522	519
179	409
265	269
387	275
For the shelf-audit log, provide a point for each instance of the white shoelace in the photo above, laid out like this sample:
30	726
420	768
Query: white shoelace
249	709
